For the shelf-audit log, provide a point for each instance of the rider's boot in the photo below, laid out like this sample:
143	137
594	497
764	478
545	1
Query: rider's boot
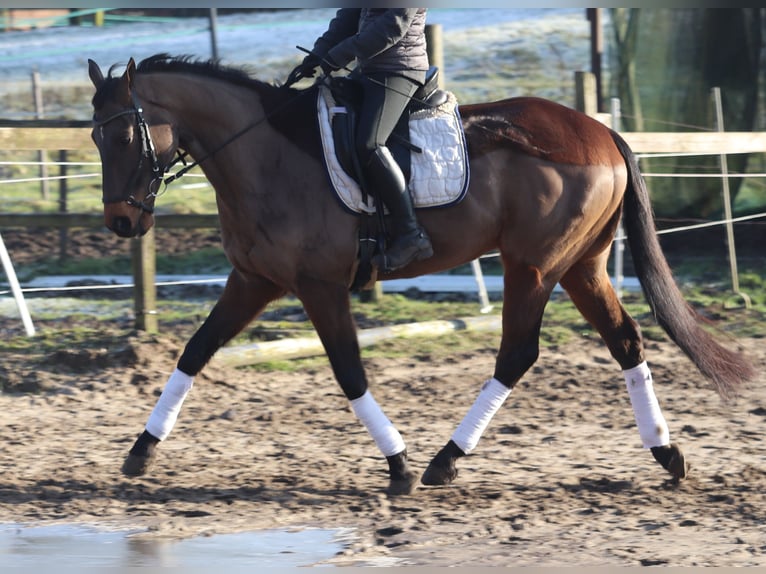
409	242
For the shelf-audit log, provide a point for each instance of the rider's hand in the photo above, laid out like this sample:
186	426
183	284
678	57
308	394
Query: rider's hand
307	68
328	66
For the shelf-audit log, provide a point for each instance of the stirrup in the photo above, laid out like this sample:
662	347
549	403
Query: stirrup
417	247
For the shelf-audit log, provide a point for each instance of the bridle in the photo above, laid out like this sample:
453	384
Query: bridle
148	151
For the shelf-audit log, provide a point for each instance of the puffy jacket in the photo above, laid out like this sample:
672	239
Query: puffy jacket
390	40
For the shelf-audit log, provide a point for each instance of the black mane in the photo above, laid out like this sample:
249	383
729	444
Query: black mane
186	64
291	111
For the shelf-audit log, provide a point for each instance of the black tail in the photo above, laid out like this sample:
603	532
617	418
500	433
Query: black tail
725	368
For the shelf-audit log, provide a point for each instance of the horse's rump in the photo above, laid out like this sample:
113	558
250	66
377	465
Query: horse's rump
540	128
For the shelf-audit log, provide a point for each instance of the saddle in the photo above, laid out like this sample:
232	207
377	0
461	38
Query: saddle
347	93
428	144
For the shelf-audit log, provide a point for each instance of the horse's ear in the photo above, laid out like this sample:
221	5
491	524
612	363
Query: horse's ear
130	71
95	73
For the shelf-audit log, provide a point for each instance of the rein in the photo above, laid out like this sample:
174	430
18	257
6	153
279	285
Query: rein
148	150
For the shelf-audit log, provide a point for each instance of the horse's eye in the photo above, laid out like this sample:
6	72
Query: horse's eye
125	138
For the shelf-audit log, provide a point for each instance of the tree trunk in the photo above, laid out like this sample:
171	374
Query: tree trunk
625	29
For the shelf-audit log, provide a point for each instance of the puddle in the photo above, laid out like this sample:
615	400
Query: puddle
60	546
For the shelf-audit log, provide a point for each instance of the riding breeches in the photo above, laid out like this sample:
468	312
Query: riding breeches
384	99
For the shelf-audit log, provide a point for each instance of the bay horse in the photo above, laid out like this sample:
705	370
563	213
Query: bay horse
548	187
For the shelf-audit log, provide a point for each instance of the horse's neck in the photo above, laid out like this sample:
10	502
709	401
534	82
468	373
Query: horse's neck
205	109
210	117
208	114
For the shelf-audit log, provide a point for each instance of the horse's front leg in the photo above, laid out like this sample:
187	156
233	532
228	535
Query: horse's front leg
329	308
239	304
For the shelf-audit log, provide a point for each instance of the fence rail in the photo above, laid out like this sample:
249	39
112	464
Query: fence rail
48	135
54	135
93	220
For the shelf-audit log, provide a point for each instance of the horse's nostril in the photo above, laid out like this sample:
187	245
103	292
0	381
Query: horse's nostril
122	226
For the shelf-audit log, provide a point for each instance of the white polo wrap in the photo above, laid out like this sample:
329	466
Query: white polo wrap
651	424
491	397
168	406
383	432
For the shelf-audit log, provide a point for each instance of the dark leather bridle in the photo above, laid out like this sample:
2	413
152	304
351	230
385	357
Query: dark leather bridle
148	151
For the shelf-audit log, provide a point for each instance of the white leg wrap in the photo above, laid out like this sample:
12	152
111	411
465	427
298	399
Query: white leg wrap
168	406
491	397
651	424
383	432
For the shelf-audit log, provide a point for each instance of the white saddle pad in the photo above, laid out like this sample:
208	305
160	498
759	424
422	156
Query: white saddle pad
439	175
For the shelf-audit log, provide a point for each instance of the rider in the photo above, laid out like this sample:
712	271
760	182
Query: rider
390	47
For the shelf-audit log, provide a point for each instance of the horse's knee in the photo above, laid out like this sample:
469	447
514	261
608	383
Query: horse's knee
353	388
198	351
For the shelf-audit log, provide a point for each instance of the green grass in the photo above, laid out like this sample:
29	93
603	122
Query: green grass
107	323
191	194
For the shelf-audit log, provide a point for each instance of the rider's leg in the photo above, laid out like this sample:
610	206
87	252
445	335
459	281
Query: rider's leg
385	98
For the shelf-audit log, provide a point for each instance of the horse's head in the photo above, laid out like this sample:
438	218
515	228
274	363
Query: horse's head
136	144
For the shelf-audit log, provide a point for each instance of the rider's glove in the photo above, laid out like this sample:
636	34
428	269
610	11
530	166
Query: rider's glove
329	66
307	68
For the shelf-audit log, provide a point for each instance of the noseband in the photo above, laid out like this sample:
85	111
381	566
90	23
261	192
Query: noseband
147	151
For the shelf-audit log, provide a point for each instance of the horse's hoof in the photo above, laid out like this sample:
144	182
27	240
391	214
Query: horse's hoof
402	479
672	459
402	485
439	475
141	456
442	469
136	465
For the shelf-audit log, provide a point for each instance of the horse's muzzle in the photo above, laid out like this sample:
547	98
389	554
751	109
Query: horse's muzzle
122	226
126	221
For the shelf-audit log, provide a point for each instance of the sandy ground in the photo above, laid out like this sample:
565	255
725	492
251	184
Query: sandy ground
559	478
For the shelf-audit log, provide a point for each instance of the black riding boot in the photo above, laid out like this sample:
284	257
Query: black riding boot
409	241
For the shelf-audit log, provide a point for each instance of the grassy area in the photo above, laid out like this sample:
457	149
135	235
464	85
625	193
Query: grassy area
192	194
100	324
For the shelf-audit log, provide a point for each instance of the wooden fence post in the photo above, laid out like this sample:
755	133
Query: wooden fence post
435	49
586	100
143	255
63	193
716	96
37	95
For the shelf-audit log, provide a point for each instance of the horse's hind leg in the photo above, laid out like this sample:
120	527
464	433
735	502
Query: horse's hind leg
329	308
590	288
239	303
524	300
